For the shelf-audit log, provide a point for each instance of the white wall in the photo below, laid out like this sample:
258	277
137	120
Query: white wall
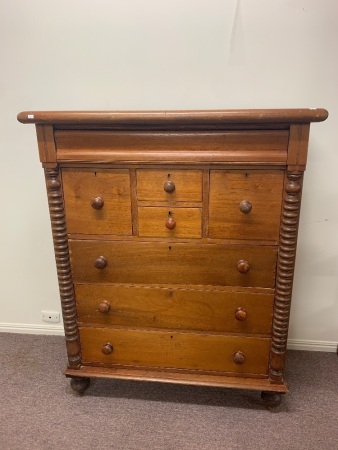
156	54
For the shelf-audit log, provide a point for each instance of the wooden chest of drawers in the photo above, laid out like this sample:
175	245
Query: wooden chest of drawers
175	238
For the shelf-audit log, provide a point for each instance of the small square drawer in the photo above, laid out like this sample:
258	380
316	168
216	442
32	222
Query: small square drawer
97	201
170	222
169	185
245	204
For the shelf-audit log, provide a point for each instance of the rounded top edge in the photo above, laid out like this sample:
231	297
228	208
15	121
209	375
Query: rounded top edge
218	117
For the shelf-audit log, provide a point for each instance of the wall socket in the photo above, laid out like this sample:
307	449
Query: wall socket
50	316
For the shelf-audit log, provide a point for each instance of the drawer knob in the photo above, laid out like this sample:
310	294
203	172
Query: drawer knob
169	186
107	349
104	307
243	266
239	358
170	223
100	262
241	314
97	203
245	207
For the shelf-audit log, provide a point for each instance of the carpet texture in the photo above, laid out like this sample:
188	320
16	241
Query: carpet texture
39	411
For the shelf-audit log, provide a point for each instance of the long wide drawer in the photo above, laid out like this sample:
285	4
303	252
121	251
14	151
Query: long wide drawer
166	307
192	351
172	263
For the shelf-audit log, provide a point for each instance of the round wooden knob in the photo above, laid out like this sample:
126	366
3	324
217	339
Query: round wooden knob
245	207
241	314
97	203
107	349
169	186
100	262
170	223
104	307
239	358
243	266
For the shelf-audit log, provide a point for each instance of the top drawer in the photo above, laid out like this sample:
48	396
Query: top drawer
172	147
169	186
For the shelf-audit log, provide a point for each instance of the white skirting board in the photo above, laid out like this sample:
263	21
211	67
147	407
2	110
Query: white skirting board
31	329
293	344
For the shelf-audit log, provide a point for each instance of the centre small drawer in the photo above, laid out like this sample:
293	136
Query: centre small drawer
169	185
170	222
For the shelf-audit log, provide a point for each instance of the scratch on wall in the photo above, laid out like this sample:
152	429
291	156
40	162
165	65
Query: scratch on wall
236	42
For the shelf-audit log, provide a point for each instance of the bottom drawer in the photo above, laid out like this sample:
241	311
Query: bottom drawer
194	351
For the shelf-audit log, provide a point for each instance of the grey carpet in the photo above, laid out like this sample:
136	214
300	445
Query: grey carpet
39	411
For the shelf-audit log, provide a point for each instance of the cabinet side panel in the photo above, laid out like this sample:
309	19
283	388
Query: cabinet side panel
46	143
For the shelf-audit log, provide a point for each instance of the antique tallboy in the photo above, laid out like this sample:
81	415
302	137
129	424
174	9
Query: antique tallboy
175	240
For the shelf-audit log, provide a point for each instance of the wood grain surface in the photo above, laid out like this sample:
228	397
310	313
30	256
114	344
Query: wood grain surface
264	191
82	186
188	222
188	185
170	307
206	352
172	263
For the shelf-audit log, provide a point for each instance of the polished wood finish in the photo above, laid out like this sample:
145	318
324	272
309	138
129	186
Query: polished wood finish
169	186
241	314
200	119
61	250
176	307
194	351
97	203
107	349
104	307
100	262
82	187
285	272
228	191
175	239
239	358
158	147
170	222
130	263
151	185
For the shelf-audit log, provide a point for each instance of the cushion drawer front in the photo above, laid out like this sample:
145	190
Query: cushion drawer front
168	263
174	350
184	308
84	192
170	222
184	185
245	204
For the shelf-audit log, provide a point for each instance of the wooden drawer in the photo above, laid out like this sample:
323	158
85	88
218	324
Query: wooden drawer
170	222
245	204
183	308
82	187
168	263
175	350
186	185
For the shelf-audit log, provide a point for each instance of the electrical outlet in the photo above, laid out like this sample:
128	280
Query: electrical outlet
50	316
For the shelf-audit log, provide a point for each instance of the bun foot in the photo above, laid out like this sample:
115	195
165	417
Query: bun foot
79	384
271	399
